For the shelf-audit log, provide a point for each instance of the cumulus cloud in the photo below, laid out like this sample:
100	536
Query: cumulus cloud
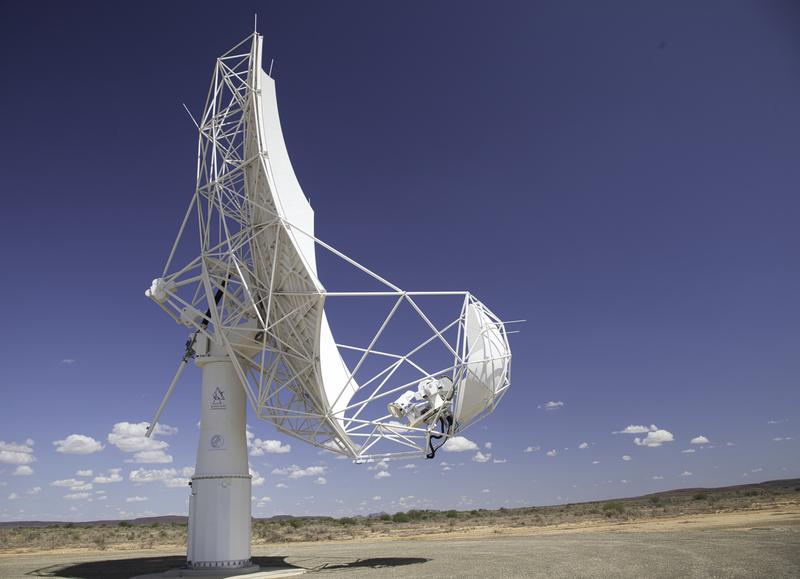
376	498
409	465
459	444
485	491
170	477
551	452
320	481
532	449
13	497
700	440
130	436
552	405
17	453
488	446
260	447
72	484
84	472
113	476
33	491
382	474
499	461
151	457
382	464
657	477
781	438
635	429
656	437
68	361
583	445
22	470
76	496
256	479
688	451
686	473
481	457
281	486
627	457
294	471
78	444
136	499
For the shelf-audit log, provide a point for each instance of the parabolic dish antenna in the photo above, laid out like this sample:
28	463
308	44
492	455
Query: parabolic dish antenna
433	363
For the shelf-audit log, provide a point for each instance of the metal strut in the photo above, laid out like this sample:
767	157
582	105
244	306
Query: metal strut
188	354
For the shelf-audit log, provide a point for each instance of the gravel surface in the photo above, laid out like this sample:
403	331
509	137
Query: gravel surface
770	551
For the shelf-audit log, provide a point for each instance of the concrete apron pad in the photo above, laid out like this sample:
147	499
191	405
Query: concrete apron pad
252	572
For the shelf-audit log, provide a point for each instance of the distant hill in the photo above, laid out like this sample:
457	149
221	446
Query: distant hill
776	486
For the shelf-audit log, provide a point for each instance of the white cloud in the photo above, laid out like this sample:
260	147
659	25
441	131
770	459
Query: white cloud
296	472
22	470
15	453
499	461
151	457
72	484
700	440
654	438
376	498
68	361
686	473
13	497
76	496
136	499
321	481
130	437
459	444
551	452
257	479
583	445
688	451
532	449
481	457
33	491
595	462
171	477
260	447
627	457
86	472
636	429
382	474
488	446
78	444
657	477
484	491
382	464
409	465
552	405
281	486
113	476
781	438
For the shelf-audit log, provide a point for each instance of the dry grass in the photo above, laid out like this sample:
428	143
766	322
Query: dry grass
779	495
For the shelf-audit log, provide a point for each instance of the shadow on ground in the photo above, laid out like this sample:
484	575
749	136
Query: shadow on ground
374	563
125	568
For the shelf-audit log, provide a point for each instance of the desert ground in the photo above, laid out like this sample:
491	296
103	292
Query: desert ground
747	531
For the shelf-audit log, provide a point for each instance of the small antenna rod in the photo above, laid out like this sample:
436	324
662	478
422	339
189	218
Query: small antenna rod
255	21
190	116
271	62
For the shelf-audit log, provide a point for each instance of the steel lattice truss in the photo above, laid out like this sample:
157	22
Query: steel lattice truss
253	290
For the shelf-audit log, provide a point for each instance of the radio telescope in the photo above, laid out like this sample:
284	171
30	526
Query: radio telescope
256	307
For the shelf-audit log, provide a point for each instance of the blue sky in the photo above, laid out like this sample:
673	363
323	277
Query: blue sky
632	168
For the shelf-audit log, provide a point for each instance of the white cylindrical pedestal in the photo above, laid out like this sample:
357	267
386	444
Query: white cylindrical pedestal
219	508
